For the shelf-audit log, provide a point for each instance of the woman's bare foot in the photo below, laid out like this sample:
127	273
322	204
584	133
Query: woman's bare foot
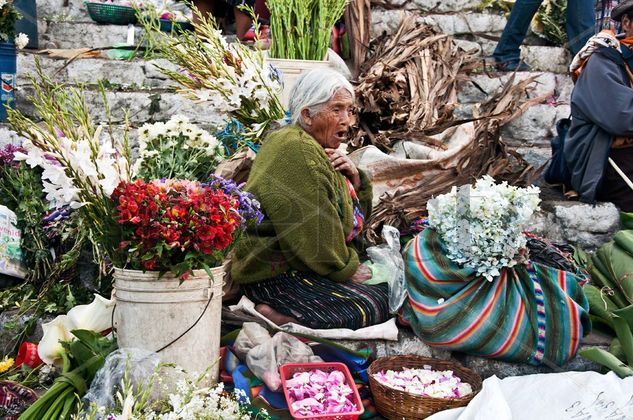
273	315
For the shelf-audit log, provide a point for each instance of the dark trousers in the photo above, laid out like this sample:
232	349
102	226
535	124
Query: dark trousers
580	27
613	188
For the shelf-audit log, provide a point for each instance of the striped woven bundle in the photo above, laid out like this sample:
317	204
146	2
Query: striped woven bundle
534	314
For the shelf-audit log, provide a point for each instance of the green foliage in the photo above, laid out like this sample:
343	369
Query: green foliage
31	304
549	21
82	359
306	26
8	16
21	191
496	6
40	377
610	297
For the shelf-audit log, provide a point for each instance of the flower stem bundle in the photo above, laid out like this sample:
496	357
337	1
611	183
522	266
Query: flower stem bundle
302	29
82	359
80	168
233	81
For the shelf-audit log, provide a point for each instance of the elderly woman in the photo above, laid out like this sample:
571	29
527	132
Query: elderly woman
300	265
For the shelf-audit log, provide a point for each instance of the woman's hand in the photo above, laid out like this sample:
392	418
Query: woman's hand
361	275
343	164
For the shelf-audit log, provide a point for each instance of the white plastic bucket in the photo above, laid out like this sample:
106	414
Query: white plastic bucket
292	69
150	313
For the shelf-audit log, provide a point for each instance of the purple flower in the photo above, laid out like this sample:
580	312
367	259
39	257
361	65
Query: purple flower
7	154
249	208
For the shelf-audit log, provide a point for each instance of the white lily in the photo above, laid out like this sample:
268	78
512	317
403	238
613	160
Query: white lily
50	349
97	316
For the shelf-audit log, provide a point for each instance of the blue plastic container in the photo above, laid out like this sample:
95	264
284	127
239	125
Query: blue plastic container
7	77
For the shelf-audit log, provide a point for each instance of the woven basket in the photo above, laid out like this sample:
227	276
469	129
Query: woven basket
112	14
397	405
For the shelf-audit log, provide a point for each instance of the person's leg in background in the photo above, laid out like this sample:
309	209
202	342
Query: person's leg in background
262	11
580	23
206	7
243	23
507	54
263	17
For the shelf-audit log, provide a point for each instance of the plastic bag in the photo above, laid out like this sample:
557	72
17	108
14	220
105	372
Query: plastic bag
139	365
11	259
251	335
387	262
264	359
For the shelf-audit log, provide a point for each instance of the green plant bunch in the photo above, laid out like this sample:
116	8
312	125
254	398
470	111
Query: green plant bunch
82	357
9	15
549	21
21	192
88	165
301	29
610	296
29	304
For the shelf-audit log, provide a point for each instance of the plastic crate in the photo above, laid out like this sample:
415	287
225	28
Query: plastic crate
167	25
112	14
286	371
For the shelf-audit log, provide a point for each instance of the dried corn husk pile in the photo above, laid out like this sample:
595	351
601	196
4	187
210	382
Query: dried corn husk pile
409	87
408	92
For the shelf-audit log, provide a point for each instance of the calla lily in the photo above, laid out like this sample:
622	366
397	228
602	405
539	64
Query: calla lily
96	316
49	349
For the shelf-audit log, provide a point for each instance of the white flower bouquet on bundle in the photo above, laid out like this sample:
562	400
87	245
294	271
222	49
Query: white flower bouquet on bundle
176	149
482	226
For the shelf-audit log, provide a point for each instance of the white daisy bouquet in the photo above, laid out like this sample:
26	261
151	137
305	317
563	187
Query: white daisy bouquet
176	149
482	225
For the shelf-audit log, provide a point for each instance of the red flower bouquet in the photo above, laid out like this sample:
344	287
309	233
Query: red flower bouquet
175	226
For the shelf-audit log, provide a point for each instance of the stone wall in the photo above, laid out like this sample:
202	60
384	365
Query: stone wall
138	86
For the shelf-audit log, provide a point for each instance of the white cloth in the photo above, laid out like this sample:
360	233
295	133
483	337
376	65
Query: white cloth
549	396
385	331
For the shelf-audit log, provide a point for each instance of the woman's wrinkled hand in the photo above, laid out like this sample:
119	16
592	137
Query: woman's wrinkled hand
361	275
343	164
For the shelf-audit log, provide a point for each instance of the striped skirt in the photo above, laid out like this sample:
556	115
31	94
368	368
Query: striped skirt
317	302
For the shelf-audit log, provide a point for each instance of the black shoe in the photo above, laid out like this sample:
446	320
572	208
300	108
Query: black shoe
513	65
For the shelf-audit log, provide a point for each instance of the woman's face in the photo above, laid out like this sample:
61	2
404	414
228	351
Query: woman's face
330	124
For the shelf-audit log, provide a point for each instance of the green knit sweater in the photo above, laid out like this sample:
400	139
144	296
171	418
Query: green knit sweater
308	208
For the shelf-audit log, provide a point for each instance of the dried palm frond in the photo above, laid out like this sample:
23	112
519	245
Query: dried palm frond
358	25
409	87
485	154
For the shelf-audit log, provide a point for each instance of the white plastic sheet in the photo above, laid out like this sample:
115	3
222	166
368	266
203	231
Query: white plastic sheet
552	396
